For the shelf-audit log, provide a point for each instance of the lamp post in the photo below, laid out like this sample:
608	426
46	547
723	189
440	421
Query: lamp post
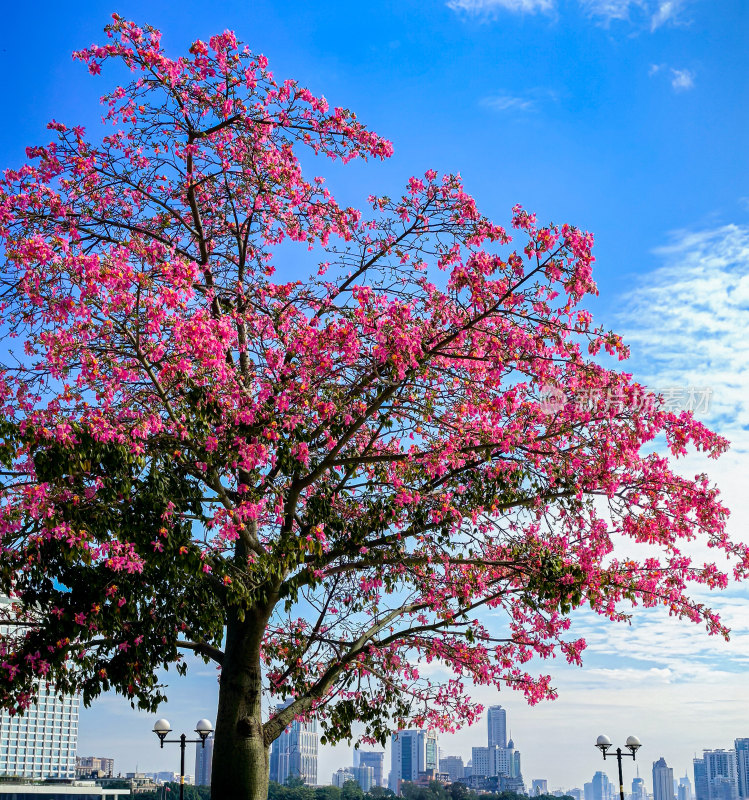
162	729
633	744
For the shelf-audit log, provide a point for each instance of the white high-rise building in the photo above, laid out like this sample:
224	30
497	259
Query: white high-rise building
412	752
41	743
663	780
204	762
722	774
497	723
343	775
294	753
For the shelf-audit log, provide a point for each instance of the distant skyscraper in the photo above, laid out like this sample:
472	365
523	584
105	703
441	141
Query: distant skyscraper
343	775
484	762
663	780
203	763
294	753
588	791
638	788
497	722
452	766
742	766
684	790
376	760
722	774
701	788
364	775
411	752
539	786
41	743
602	787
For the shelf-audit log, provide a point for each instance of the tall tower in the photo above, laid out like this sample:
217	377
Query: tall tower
601	786
374	759
684	791
42	743
204	763
742	763
722	774
701	789
497	722
412	752
294	753
663	780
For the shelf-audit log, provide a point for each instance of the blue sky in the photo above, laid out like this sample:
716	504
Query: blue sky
625	117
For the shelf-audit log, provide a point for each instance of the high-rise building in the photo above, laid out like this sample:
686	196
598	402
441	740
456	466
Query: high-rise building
722	774
484	761
204	763
453	767
663	780
509	761
412	752
638	788
361	774
490	762
497	723
701	788
716	775
602	786
374	759
343	775
294	753
684	789
539	786
42	743
364	775
588	791
742	765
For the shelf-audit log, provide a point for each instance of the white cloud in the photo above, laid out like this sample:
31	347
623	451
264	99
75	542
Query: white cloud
610	9
475	7
654	13
686	322
506	102
665	12
682	79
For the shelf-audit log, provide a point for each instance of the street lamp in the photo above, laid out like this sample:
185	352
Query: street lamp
633	744
162	729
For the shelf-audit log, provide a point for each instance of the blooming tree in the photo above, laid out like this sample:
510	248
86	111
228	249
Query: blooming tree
324	484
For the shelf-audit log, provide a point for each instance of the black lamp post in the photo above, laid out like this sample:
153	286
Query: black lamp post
603	743
162	729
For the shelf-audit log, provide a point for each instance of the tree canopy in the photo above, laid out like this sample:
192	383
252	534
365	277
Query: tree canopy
322	483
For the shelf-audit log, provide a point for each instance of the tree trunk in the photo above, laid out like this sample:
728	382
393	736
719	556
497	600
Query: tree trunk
240	755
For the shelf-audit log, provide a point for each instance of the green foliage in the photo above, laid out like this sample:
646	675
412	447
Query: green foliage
352	791
297	790
327	793
138	502
433	791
